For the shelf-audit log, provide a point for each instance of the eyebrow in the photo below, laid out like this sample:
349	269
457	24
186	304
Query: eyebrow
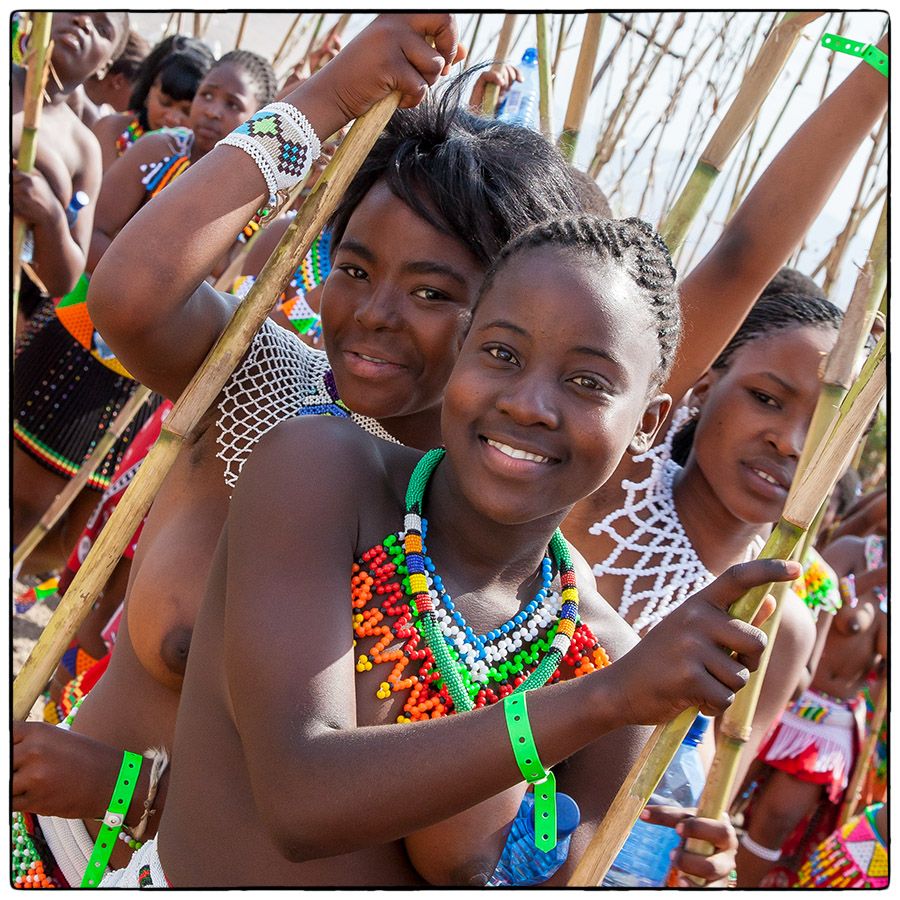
787	386
503	323
418	267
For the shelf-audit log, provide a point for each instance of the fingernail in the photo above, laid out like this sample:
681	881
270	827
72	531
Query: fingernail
645	814
672	855
680	828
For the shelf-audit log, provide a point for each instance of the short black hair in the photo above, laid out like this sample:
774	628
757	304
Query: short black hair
632	244
185	61
265	84
473	178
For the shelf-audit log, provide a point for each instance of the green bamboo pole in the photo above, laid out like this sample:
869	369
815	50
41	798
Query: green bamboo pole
283	46
854	788
755	87
581	84
504	44
545	80
198	396
312	41
241	28
470	57
37	66
806	496
560	41
75	485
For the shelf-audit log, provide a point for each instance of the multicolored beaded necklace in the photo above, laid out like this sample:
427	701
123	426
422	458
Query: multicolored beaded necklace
460	670
133	131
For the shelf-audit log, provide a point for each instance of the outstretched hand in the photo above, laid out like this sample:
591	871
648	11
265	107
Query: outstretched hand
503	77
699	656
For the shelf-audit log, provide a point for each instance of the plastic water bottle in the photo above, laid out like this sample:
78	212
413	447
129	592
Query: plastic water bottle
520	105
78	202
644	860
521	863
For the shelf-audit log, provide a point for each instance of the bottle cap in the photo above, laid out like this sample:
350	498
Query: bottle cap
530	56
697	729
568	815
79	200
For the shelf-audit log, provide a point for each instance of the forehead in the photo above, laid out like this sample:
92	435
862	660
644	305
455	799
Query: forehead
793	353
229	77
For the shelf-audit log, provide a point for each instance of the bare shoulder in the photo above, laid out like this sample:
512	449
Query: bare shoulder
110	126
846	554
614	634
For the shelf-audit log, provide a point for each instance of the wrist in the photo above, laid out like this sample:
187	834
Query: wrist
607	705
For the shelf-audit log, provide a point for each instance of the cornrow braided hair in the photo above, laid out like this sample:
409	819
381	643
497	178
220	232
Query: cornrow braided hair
630	243
258	68
771	313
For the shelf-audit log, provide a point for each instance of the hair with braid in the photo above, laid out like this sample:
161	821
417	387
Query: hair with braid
630	243
128	62
260	70
772	312
476	179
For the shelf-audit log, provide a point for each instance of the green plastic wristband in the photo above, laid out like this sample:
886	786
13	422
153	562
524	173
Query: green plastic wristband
871	54
114	818
533	771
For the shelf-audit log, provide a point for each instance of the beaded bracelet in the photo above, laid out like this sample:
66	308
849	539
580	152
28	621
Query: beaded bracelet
533	771
280	140
114	818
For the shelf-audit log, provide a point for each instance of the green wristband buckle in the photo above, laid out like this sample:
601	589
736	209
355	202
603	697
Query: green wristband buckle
114	818
869	53
542	780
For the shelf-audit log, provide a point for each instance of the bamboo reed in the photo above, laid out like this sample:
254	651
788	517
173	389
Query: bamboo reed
470	55
198	25
40	48
241	28
560	41
755	87
191	406
283	46
504	44
863	761
623	33
806	496
545	95
73	488
581	84
312	41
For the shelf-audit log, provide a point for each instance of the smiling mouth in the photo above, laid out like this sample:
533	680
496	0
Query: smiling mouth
376	360
70	40
765	476
516	453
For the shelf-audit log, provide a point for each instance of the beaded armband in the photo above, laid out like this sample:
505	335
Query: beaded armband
282	143
817	589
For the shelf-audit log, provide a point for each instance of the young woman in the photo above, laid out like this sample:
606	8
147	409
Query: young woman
657	532
396	308
552	385
161	97
53	365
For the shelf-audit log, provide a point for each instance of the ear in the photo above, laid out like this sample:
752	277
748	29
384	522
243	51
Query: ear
702	385
648	427
100	74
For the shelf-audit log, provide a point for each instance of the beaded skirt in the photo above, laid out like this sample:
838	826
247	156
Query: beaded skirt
63	401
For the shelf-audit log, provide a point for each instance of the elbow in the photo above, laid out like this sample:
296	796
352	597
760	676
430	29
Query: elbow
299	838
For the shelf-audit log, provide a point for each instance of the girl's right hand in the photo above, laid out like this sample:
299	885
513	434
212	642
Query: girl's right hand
33	199
391	54
686	660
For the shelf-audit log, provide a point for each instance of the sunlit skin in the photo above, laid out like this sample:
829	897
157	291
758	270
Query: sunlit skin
164	111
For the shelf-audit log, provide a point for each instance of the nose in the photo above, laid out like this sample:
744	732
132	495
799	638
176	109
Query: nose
82	21
379	310
173	118
789	436
529	399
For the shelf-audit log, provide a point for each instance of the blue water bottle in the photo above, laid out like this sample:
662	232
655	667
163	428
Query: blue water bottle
77	203
520	105
644	859
521	863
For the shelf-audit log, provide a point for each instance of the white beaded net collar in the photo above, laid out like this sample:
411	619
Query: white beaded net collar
656	535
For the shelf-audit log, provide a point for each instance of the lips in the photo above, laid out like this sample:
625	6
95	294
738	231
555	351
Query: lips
511	456
768	478
371	364
515	452
209	134
70	39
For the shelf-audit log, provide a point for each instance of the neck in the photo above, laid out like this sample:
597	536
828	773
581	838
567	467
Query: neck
720	539
421	430
54	94
486	552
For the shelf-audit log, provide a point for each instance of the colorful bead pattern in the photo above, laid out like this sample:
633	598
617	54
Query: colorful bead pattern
35	594
129	136
27	865
817	589
459	670
853	857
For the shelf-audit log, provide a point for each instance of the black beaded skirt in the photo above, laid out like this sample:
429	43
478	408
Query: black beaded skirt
64	400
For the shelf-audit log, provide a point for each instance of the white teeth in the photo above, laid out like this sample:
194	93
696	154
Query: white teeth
766	477
516	453
373	359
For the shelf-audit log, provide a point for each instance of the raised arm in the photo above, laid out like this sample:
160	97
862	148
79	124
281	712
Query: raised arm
297	716
772	220
147	295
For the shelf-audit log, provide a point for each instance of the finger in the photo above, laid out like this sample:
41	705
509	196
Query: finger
425	60
728	671
745	640
767	607
18	731
719	833
667	816
734	582
441	29
709	868
715	697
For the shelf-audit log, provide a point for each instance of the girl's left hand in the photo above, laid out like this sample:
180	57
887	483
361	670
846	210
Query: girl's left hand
713	869
33	199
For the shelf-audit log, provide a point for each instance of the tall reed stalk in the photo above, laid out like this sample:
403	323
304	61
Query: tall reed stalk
581	84
37	66
282	47
470	58
504	44
754	89
241	28
202	391
75	485
864	760
545	79
807	494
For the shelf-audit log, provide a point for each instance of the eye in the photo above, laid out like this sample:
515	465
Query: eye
764	398
432	294
590	382
503	354
353	271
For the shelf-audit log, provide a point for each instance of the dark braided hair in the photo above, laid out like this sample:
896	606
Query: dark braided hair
771	313
630	243
258	68
476	179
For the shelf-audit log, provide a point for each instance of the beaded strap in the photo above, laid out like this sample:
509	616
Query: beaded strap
282	143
